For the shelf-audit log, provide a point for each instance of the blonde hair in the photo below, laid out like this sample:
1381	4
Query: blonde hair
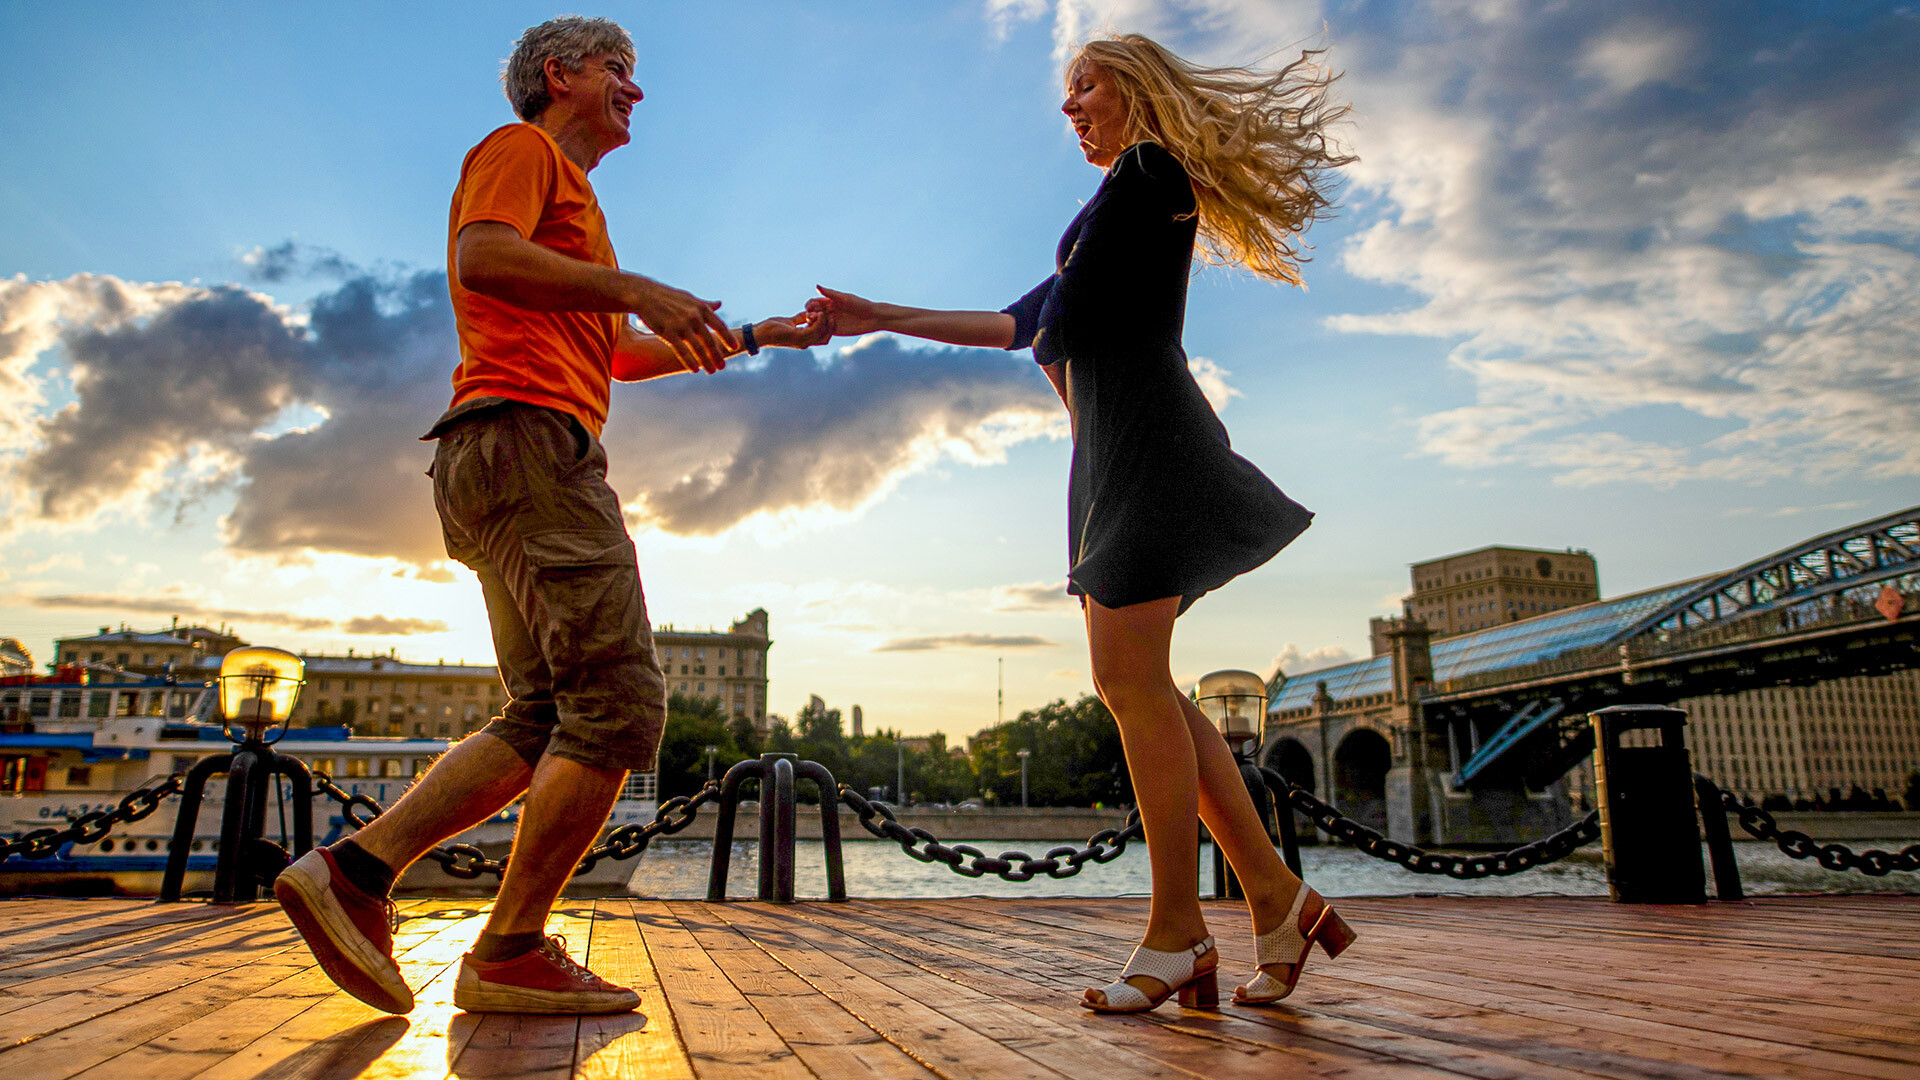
1255	144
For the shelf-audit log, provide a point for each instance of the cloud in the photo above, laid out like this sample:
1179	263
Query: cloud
1217	31
1665	242
194	610
1291	661
288	259
1033	596
1213	381
966	641
802	434
170	605
179	393
1670	242
382	624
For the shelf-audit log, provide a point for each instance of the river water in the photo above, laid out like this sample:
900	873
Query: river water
678	869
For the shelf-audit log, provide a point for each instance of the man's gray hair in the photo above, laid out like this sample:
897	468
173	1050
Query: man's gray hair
569	39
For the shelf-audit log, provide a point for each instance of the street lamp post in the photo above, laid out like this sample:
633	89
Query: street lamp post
258	689
711	750
1236	701
899	772
1023	755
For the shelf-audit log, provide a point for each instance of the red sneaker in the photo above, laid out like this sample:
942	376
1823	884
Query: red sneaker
545	980
350	933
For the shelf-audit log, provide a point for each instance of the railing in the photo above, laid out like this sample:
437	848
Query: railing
777	774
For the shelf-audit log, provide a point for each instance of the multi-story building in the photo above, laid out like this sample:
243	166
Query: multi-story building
146	652
1805	742
1492	585
384	695
731	666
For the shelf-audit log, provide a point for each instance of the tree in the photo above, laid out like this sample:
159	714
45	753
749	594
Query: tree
746	737
693	724
1075	759
1913	791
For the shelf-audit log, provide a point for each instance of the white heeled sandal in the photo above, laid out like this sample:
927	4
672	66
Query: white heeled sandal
1196	989
1286	944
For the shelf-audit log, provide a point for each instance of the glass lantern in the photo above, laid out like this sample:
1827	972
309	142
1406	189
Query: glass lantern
1236	702
259	686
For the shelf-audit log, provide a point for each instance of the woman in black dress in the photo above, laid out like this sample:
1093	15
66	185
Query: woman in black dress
1161	510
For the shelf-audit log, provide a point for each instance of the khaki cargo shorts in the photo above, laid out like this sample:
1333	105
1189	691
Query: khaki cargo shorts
523	500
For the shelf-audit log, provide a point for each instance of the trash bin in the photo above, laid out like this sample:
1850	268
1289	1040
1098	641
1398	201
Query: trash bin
1647	824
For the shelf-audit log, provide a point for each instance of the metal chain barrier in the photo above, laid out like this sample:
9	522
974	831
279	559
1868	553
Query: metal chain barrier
1761	826
465	861
93	826
969	861
1464	867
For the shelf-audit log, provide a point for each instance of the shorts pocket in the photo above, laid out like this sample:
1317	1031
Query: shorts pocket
589	583
564	552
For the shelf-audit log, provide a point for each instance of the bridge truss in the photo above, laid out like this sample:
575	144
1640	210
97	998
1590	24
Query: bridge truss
1840	604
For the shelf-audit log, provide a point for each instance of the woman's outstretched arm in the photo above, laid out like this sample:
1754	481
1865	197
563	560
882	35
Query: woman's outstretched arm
853	315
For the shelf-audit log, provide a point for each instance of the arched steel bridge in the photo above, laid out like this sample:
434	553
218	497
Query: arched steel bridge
1864	556
1844	603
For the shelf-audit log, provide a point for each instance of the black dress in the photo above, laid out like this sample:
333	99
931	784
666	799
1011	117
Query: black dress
1158	503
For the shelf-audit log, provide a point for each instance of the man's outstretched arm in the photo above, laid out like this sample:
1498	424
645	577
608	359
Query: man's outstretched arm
646	356
494	260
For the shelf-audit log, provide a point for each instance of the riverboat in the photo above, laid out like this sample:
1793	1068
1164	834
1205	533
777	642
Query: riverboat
71	747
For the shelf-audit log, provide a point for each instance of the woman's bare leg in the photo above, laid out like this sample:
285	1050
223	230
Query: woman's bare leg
1129	648
1235	825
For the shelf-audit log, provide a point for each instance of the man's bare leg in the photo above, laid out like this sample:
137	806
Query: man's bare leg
567	805
470	783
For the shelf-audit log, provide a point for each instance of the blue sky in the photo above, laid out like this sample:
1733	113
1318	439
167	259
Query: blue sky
1609	276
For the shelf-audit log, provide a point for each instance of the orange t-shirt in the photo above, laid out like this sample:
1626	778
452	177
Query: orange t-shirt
560	359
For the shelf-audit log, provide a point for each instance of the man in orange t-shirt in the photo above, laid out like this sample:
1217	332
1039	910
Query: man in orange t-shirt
520	484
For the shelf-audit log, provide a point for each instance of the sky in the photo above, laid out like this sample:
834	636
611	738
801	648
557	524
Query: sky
1637	278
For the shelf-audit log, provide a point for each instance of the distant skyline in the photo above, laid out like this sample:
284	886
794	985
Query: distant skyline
1631	278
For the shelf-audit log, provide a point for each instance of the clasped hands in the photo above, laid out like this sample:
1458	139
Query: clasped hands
701	341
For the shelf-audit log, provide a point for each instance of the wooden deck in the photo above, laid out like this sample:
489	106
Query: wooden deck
1496	988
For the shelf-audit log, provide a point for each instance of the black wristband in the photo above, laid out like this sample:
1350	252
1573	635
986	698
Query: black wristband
746	338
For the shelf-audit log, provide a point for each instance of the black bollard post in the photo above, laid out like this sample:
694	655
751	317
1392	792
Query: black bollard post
1283	817
829	825
779	850
184	824
1713	823
247	780
1646	805
723	826
296	770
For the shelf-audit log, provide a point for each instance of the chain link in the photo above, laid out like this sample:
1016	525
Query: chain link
467	862
1463	867
969	861
93	826
1761	826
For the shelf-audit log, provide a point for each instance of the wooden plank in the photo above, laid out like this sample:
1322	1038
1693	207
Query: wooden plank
825	1037
158	924
1207	1047
611	1048
900	1012
337	1036
724	1036
74	998
1626	1024
1335	1034
1671	975
522	1046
